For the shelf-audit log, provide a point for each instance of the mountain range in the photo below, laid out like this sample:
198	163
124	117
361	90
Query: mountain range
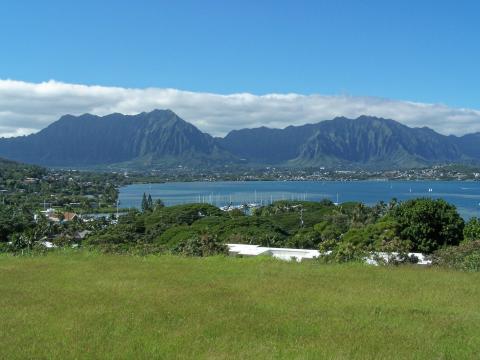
162	139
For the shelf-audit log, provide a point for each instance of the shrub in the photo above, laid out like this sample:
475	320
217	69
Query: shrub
176	235
202	245
465	257
472	230
4	247
305	239
344	252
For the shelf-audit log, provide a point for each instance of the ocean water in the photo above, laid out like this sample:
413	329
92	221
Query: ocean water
465	195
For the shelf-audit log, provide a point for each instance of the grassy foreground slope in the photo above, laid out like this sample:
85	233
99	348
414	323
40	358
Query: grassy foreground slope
99	306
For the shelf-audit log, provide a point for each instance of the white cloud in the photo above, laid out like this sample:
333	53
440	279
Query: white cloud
28	107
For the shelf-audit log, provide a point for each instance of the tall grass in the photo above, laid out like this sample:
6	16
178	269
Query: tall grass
86	305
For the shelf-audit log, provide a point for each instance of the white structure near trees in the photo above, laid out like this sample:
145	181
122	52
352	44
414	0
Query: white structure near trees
302	254
279	253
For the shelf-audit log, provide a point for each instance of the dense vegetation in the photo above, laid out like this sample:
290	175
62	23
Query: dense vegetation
34	188
90	306
347	232
27	190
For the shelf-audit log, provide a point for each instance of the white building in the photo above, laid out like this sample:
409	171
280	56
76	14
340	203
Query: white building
301	254
279	253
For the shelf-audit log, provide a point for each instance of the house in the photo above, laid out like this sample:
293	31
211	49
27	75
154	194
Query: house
50	214
30	180
69	216
54	216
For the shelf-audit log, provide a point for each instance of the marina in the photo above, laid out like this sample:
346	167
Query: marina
465	195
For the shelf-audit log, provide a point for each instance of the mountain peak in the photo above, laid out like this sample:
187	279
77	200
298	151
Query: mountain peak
161	137
161	112
368	117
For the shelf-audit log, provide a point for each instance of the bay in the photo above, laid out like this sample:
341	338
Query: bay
465	195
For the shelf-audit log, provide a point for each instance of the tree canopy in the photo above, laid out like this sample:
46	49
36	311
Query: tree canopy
428	224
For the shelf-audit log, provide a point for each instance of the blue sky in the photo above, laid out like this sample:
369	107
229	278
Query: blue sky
425	51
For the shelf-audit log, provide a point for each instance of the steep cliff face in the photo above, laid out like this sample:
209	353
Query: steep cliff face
365	140
161	137
91	140
371	141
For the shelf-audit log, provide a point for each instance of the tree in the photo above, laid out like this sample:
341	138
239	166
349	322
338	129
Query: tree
150	202
472	229
202	245
144	202
158	204
305	239
13	220
381	236
147	203
428	224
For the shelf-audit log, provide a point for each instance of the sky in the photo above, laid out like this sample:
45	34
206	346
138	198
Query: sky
231	64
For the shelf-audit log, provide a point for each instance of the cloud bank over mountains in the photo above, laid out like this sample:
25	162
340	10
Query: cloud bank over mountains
28	107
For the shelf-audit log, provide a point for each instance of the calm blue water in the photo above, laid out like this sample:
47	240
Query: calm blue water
464	195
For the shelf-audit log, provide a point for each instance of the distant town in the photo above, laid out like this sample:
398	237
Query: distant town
440	172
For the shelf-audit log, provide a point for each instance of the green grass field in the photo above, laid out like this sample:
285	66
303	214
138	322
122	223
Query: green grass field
67	306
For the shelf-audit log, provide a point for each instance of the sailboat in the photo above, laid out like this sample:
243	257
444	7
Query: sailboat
255	204
336	203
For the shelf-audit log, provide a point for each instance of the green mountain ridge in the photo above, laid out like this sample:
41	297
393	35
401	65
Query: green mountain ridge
363	142
379	142
146	138
162	139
